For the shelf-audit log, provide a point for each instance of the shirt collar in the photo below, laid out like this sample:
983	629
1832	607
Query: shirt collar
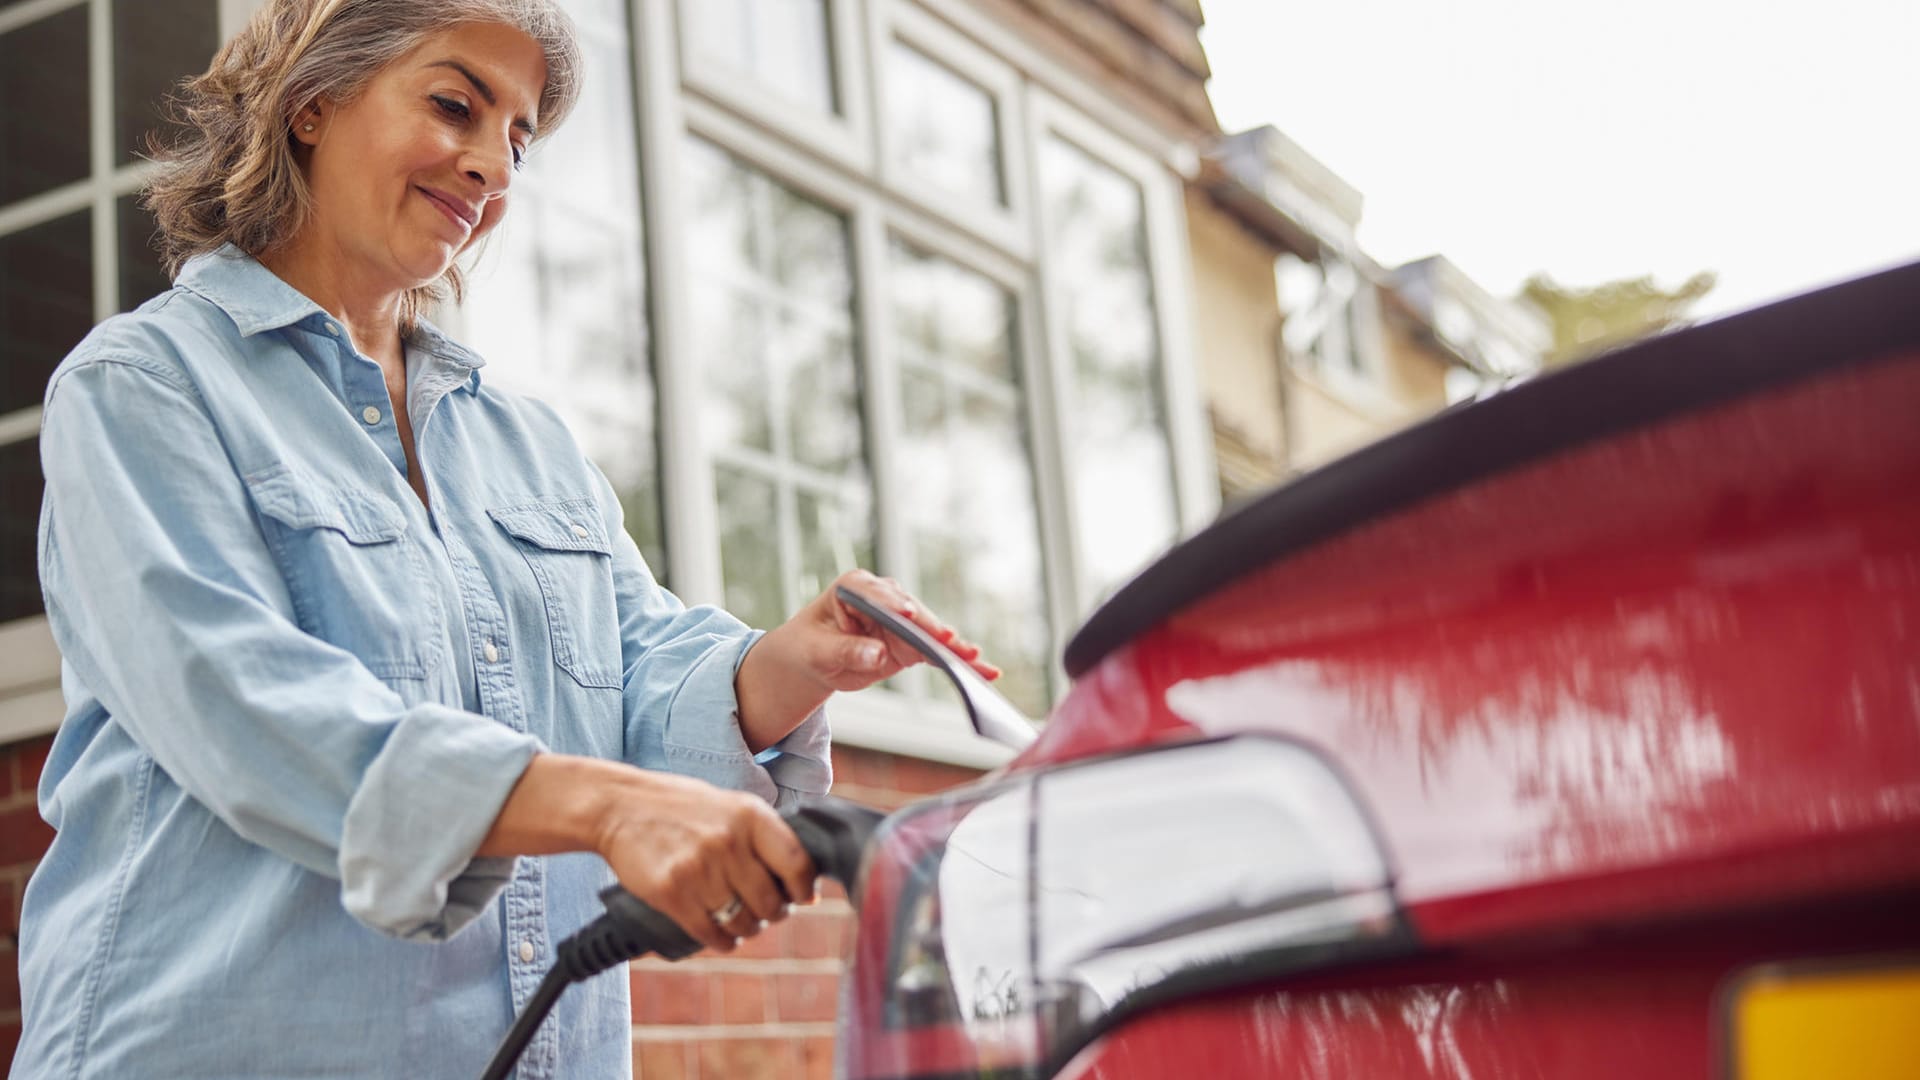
257	300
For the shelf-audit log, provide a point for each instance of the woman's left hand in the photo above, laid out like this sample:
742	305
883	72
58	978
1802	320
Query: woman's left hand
830	646
848	651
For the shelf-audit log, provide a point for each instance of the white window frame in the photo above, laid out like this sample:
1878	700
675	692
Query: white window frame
30	700
1005	227
845	137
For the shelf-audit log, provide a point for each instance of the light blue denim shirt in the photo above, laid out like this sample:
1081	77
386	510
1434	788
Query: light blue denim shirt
296	700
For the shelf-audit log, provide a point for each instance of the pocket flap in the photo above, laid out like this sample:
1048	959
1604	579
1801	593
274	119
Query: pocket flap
299	504
556	525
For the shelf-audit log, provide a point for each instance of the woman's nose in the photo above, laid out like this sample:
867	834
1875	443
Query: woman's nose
490	167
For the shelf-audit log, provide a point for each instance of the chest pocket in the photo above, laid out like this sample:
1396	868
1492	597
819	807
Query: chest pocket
565	545
355	580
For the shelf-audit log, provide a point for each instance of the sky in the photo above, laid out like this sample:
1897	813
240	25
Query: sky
1775	143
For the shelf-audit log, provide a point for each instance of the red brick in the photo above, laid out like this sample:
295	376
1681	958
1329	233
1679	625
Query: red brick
662	1061
31	760
807	997
17	886
819	935
9	906
863	768
742	998
9	1041
748	1059
9	979
23	836
670	997
816	1057
920	777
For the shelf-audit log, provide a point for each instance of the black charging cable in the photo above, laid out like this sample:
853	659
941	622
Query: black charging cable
833	831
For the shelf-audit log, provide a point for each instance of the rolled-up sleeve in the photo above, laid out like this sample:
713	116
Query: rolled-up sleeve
165	600
680	710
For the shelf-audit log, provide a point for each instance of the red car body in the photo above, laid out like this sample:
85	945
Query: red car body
1622	668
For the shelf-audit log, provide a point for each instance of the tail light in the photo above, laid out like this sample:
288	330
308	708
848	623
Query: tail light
1007	925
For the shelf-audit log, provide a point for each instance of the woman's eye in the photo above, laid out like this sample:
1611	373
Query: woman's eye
519	158
452	107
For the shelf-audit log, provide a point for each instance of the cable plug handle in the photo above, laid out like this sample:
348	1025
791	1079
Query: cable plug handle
834	833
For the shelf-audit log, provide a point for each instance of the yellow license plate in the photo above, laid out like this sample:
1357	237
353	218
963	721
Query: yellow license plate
1825	1022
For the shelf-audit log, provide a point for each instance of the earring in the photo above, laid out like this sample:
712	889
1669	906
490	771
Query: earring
306	127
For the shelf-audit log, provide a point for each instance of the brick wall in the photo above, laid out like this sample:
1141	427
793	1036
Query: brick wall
23	838
764	1011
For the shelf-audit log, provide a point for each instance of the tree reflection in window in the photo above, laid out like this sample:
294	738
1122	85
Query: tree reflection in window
785	45
968	499
943	128
773	323
1123	496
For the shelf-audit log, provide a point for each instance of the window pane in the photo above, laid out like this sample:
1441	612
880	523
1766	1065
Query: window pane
1123	465
970	506
20	489
46	304
141	277
156	43
823	408
942	127
785	45
43	105
736	402
773	327
590	162
809	247
750	548
836	535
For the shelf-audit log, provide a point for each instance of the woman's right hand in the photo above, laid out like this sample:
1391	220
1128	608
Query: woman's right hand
685	847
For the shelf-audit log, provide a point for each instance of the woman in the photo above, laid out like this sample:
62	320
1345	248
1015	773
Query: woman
346	630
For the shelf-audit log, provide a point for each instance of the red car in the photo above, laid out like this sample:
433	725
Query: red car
1573	733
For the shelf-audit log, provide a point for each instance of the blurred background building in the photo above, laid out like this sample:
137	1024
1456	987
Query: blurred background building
973	292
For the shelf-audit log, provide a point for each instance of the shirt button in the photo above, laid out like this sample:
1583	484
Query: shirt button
333	329
526	952
492	654
370	414
580	530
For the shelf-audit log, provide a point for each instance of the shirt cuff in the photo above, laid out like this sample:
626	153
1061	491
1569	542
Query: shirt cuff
423	806
704	740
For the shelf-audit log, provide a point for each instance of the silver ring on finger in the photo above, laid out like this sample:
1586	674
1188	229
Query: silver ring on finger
726	913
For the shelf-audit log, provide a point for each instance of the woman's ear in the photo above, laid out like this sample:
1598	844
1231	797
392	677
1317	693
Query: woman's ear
306	124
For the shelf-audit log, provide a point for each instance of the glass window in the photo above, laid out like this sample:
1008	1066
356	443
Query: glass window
558	300
141	277
773	323
969	504
155	44
20	488
1122	461
46	304
942	127
43	105
785	45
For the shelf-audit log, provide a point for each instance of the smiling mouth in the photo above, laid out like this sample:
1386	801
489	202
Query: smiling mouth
447	209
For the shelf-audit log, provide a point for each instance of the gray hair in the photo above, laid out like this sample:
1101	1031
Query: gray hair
232	177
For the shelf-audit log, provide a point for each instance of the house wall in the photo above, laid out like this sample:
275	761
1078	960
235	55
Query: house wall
1415	374
1235	326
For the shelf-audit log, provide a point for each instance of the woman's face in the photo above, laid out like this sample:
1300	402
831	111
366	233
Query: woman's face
416	168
